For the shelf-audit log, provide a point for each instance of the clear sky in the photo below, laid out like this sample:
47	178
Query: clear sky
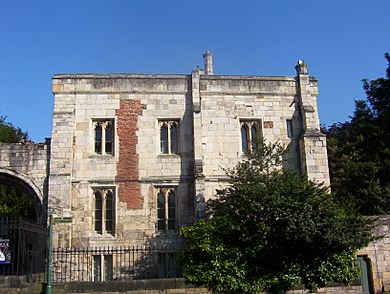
342	41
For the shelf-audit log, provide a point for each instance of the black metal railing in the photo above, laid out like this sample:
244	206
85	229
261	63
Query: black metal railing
119	263
22	248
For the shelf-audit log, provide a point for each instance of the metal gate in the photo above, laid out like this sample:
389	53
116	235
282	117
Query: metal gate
22	248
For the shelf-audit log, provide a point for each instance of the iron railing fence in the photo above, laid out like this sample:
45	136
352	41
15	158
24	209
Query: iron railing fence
115	263
22	248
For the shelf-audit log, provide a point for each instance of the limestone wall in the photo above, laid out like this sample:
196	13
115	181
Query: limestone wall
208	110
378	253
136	168
27	164
228	100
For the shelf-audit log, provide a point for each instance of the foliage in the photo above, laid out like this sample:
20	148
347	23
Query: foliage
16	202
272	229
9	133
359	152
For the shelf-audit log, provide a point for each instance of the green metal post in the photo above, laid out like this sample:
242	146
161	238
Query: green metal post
49	254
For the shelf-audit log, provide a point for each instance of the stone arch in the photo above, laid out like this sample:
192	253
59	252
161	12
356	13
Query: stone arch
21	180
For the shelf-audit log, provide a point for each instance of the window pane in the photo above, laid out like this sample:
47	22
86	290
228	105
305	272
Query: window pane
96	268
161	225
109	212
171	199
98	138
171	224
164	139
98	212
289	128
107	267
109	138
160	200
171	211
254	136
244	139
174	138
160	212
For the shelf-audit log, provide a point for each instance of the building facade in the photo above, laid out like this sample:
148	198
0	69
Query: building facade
135	156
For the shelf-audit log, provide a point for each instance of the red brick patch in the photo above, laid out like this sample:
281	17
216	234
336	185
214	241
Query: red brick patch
127	167
268	124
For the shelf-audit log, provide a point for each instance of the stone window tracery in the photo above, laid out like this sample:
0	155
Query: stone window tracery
103	136
250	131
104	218
169	136
166	209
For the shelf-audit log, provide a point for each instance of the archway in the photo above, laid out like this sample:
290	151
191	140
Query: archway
23	194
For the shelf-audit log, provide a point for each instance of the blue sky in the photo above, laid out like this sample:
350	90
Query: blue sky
341	41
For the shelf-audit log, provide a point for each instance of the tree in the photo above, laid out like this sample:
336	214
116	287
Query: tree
9	133
16	202
359	151
272	229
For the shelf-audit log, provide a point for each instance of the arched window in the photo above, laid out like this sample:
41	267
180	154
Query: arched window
169	137
244	138
254	136
174	139
109	136
250	132
171	210
166	209
98	137
104	136
104	219
164	138
160	211
98	212
109	212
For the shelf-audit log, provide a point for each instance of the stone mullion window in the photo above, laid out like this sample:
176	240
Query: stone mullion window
104	136
102	267
169	135
166	209
104	211
249	135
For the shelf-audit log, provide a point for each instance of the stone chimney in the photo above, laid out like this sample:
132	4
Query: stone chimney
208	63
301	67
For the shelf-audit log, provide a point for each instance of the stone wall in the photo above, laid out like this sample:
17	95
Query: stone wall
168	286
27	164
135	103
378	253
209	110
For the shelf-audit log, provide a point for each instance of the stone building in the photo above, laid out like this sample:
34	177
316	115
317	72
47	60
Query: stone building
135	156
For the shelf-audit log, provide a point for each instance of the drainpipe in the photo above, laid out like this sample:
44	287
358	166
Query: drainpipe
49	254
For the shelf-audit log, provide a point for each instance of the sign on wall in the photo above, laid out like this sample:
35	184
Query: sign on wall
5	251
